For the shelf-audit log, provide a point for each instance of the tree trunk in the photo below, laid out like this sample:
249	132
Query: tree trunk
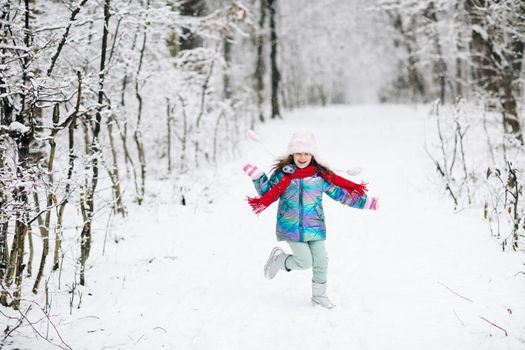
440	66
25	65
460	47
4	250
21	231
16	265
517	47
20	195
31	249
85	242
114	171
71	164
4	247
50	198
184	137
137	135
4	260
168	134
6	107
490	69
260	67
227	64
276	76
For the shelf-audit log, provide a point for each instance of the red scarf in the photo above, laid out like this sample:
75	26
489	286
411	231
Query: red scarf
258	204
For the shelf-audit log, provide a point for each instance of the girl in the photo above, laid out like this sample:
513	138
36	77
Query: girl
298	181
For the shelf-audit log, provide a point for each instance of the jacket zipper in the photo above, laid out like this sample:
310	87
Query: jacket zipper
301	234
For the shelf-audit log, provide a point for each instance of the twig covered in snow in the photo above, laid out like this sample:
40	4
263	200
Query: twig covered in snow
457	316
495	325
459	295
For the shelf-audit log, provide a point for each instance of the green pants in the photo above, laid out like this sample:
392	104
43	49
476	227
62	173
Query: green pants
309	254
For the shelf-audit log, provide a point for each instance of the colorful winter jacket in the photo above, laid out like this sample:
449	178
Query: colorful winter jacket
300	216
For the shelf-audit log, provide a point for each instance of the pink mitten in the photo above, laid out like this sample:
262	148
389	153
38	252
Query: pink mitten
372	203
252	171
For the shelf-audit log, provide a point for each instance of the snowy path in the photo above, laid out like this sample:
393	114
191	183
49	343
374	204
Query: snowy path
203	288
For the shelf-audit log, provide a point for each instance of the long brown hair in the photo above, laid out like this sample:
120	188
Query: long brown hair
321	169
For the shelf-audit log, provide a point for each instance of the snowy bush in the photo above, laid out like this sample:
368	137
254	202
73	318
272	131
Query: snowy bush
481	166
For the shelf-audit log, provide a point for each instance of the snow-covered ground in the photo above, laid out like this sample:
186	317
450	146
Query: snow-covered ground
413	275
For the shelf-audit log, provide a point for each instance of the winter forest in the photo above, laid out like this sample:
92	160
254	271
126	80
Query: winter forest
125	126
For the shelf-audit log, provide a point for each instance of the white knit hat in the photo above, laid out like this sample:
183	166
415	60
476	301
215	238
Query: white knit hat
302	142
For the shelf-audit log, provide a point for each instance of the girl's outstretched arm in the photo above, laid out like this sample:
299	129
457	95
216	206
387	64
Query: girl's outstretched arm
353	199
260	180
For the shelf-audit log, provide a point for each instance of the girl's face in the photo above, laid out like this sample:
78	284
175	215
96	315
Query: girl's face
302	160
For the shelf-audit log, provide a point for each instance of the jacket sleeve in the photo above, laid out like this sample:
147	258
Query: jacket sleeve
263	184
353	199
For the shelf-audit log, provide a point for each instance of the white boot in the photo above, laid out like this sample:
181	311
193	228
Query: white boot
319	295
275	262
